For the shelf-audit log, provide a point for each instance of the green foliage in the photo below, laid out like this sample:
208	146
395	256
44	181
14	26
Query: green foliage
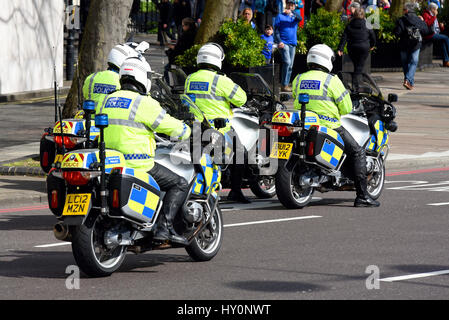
241	43
386	25
188	58
324	27
443	15
151	6
302	41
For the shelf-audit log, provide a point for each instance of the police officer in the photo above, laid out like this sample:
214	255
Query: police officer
99	84
133	118
330	100
214	93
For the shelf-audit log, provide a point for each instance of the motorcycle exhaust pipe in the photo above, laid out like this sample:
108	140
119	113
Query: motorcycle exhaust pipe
61	232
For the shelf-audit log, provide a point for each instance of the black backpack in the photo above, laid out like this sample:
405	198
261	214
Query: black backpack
413	36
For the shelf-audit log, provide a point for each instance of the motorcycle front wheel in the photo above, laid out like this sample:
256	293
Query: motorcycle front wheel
263	187
288	190
376	182
207	243
90	252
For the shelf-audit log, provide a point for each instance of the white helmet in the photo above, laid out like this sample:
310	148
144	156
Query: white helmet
322	55
212	54
120	52
137	69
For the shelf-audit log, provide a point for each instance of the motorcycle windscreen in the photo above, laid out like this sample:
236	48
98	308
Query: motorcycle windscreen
325	146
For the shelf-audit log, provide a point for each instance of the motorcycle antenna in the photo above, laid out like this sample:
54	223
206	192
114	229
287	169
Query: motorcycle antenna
58	111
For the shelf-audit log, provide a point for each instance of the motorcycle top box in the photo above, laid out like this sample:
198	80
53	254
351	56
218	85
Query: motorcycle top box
133	194
324	146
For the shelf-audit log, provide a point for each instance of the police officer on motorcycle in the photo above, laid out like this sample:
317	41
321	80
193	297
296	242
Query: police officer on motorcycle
133	118
330	100
214	93
99	84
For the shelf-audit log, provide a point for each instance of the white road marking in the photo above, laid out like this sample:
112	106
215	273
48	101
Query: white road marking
440	186
415	276
53	245
269	221
438	204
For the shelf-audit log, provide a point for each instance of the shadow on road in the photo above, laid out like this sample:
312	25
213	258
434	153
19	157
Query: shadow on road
23	185
276	286
28	222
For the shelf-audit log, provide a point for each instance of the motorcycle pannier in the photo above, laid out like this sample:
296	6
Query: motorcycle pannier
133	194
324	146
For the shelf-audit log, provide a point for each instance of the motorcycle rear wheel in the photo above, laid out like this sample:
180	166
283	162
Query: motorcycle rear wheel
91	254
263	187
207	243
289	193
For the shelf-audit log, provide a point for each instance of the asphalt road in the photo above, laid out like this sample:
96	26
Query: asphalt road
328	250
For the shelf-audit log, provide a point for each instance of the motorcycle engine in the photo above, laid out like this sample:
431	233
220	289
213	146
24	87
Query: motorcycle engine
193	212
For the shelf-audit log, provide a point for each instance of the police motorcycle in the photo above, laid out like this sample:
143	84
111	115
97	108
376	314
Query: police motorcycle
69	134
247	124
106	209
312	156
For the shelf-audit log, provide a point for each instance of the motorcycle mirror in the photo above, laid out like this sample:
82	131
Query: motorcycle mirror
284	97
392	97
219	123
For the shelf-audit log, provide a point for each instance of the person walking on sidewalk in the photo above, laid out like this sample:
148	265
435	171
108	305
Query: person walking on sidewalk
410	29
285	35
360	41
430	18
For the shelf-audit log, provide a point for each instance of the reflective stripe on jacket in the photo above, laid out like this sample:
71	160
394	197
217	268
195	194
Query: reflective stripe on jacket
328	96
132	120
213	94
99	84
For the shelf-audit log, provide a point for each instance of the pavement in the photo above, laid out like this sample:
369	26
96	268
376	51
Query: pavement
422	140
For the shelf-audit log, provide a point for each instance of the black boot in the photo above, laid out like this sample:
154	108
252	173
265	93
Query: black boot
238	196
365	202
165	229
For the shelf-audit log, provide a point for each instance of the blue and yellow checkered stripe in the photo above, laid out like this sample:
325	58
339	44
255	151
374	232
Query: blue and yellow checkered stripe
143	201
331	153
334	134
212	172
142	175
380	139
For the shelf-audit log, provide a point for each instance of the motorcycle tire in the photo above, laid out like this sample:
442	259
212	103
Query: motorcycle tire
85	243
207	243
288	194
376	183
261	190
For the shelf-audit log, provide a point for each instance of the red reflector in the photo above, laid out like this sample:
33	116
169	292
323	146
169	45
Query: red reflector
75	178
283	131
54	199
45	159
115	199
311	148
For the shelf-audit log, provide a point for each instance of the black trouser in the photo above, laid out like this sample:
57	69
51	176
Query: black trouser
176	189
358	156
358	55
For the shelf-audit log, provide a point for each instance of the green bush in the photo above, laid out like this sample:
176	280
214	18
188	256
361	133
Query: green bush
302	41
324	27
386	25
241	43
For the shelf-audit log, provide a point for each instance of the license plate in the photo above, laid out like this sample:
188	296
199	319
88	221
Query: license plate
281	150
77	204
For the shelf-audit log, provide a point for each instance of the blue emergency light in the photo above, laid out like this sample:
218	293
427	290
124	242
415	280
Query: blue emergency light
303	98
101	120
89	105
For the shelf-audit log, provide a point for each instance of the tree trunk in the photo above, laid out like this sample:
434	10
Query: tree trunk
396	8
106	27
333	5
214	14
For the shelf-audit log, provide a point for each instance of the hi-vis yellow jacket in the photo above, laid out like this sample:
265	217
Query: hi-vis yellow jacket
99	84
213	94
328	96
132	120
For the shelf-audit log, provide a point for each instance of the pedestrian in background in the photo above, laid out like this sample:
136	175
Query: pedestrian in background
269	41
360	41
285	35
430	18
181	10
271	11
259	12
405	28
165	9
247	16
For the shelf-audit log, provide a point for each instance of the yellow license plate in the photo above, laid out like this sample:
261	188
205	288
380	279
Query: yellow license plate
77	204
281	150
